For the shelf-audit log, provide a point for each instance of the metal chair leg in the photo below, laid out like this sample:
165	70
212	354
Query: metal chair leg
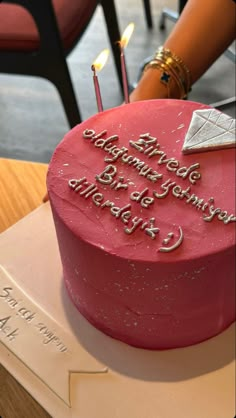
148	13
223	103
167	14
171	14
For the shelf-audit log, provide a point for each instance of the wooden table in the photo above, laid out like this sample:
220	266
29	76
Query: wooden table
22	187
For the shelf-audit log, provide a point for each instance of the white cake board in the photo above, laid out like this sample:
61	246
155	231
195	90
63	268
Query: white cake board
109	378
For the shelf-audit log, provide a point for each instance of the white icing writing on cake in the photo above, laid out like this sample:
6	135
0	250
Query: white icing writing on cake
145	201
148	145
142	145
106	177
199	203
109	173
170	235
132	223
106	144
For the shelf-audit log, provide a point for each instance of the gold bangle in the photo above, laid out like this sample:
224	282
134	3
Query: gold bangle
166	55
178	80
173	68
166	77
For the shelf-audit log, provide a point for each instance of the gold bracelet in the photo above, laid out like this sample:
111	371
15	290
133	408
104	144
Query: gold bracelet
179	65
173	68
166	78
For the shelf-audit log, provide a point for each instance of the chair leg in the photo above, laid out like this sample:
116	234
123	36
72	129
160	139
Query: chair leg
230	54
113	30
62	80
182	5
224	103
171	14
167	14
148	13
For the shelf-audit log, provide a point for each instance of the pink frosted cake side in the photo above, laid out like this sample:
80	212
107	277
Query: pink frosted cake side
146	232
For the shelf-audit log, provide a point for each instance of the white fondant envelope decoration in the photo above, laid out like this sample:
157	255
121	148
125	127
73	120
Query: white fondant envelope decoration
209	129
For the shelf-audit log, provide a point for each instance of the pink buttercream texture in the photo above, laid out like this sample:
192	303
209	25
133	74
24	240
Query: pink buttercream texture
122	283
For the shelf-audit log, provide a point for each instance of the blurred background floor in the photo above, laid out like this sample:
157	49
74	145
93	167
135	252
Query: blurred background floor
32	118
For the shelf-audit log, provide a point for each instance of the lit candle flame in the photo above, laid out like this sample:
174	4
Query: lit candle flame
101	60
126	35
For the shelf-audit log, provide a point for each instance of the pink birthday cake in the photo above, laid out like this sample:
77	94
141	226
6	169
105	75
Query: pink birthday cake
143	200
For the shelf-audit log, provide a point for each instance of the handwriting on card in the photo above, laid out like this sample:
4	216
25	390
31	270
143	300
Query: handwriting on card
18	308
40	342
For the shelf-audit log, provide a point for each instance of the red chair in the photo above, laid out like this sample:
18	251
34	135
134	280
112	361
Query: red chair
37	35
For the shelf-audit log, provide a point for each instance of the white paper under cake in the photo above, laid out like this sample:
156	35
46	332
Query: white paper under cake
189	378
39	341
209	129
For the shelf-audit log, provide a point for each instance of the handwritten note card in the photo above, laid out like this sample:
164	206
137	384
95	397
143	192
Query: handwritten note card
39	341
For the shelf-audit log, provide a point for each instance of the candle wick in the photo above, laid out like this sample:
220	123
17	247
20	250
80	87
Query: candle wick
93	68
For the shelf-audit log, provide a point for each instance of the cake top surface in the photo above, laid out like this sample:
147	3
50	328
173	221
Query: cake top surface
121	181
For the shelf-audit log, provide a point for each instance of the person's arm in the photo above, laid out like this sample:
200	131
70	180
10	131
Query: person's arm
203	32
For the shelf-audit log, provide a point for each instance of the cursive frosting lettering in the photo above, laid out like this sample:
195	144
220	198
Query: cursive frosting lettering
124	213
151	229
121	154
145	201
107	177
143	144
146	144
199	203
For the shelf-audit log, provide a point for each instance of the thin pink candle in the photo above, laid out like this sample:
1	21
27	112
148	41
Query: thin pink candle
123	43
124	76
97	90
97	65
